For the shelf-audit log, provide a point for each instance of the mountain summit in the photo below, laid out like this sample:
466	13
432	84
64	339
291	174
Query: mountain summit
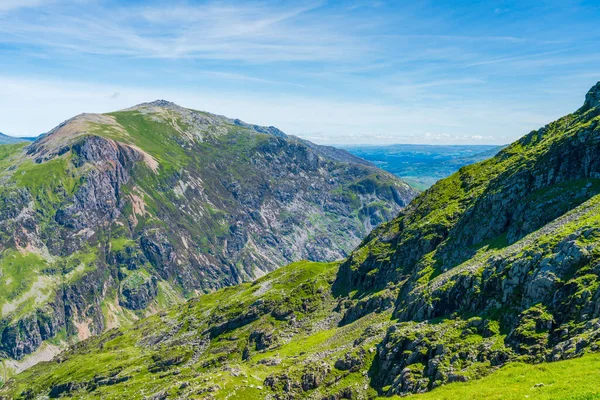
494	264
111	217
592	98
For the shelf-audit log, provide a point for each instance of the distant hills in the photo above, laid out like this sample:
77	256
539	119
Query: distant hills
423	165
5	139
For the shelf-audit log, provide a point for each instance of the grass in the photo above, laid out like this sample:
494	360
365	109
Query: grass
50	183
46	176
464	199
21	271
120	243
8	153
155	136
575	379
113	351
18	273
286	313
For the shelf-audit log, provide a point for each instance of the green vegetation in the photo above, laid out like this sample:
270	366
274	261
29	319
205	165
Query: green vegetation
19	273
8	153
50	184
120	243
575	379
124	214
159	137
300	288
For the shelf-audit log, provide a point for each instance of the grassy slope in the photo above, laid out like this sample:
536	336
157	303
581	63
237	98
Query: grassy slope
221	373
221	362
129	354
426	225
575	379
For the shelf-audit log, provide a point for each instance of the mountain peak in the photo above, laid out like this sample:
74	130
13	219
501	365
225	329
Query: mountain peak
592	98
162	103
157	103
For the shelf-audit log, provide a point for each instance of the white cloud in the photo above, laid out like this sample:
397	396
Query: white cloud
362	71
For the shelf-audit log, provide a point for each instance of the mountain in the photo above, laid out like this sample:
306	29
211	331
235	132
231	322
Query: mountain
112	217
423	165
338	154
5	139
496	265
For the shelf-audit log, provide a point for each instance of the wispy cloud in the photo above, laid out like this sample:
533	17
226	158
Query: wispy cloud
429	89
516	58
253	32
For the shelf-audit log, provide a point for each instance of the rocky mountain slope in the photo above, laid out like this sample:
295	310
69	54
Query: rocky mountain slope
496	264
108	218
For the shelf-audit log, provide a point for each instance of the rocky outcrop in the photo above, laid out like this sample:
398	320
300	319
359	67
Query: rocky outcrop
514	238
417	358
137	294
497	202
314	376
352	361
592	98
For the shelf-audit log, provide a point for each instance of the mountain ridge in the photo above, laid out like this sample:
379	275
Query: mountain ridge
6	139
328	151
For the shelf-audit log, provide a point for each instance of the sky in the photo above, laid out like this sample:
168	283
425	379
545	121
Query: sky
333	72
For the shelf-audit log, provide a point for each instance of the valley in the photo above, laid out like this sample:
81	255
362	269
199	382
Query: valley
423	165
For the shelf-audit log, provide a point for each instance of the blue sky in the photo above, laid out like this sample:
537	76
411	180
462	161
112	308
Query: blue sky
334	72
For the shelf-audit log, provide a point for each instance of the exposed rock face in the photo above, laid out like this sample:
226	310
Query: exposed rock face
314	376
592	98
352	361
139	295
157	203
416	358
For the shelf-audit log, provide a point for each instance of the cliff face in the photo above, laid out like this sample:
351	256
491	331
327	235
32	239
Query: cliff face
108	218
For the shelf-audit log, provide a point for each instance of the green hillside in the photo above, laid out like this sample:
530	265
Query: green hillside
574	379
